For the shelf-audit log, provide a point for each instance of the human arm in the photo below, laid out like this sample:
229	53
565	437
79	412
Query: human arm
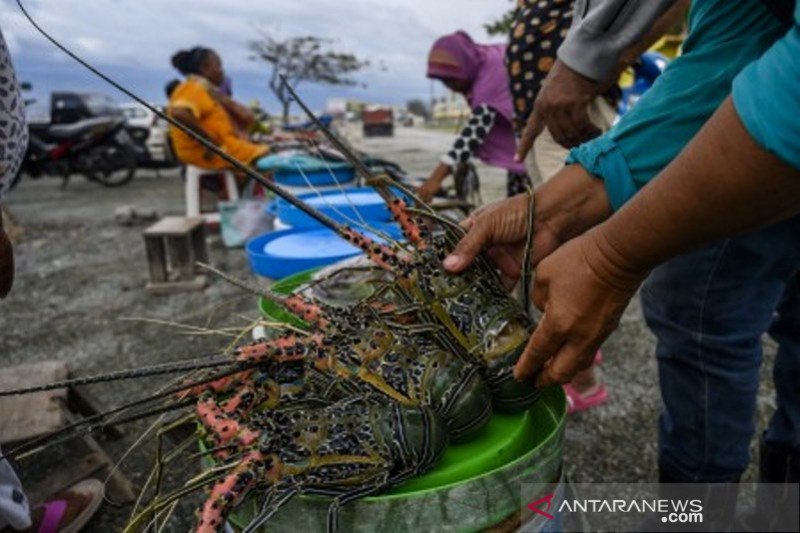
767	97
239	113
603	29
431	186
722	184
185	116
660	27
468	141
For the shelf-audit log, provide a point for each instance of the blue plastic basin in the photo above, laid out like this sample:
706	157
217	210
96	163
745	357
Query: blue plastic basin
298	170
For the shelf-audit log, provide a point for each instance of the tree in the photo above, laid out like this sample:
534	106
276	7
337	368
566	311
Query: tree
303	59
501	26
418	107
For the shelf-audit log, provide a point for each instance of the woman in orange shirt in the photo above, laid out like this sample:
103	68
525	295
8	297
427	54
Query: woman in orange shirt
202	107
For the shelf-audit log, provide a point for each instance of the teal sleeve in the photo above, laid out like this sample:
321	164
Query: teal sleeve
725	37
603	158
767	98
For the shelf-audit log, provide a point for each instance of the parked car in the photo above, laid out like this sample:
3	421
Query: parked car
152	132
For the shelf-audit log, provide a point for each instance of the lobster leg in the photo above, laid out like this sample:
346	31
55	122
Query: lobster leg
254	469
223	428
332	521
271	504
161	461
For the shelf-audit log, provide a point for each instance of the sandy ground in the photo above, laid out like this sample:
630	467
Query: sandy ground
80	280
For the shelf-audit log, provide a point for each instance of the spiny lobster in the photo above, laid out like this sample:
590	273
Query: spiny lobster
359	402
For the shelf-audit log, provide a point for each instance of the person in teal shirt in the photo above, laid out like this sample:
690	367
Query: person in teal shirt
724	37
710	152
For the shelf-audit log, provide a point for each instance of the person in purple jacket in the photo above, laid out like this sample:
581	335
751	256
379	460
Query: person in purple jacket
478	72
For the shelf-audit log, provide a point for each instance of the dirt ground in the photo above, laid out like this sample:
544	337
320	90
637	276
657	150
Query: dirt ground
80	288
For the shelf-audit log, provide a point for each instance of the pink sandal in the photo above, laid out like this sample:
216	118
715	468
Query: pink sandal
577	402
597	395
68	511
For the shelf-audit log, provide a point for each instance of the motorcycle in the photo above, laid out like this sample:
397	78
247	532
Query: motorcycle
99	147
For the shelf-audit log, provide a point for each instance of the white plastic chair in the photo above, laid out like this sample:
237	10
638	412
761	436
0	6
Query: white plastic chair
194	176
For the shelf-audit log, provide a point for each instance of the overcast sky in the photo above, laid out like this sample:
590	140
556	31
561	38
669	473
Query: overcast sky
133	40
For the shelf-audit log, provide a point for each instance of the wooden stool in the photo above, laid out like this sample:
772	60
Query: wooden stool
174	245
194	176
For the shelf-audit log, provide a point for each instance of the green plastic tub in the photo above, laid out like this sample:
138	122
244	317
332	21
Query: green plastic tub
475	485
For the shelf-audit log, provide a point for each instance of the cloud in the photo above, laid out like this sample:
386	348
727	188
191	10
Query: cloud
142	34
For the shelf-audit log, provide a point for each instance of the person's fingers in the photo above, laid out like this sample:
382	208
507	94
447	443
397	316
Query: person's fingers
543	344
467	249
539	291
480	209
533	129
569	130
562	367
505	261
585	129
589	133
508	283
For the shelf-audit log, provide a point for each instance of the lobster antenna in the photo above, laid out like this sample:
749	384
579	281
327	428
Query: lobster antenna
340	145
235	163
363	225
155	370
144	401
349	153
527	256
27	450
244	285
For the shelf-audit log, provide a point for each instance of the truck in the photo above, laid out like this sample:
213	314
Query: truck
377	121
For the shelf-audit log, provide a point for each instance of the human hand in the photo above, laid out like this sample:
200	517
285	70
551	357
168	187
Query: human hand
428	190
500	229
562	107
582	289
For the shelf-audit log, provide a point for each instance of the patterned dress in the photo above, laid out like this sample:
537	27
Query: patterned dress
13	129
538	30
